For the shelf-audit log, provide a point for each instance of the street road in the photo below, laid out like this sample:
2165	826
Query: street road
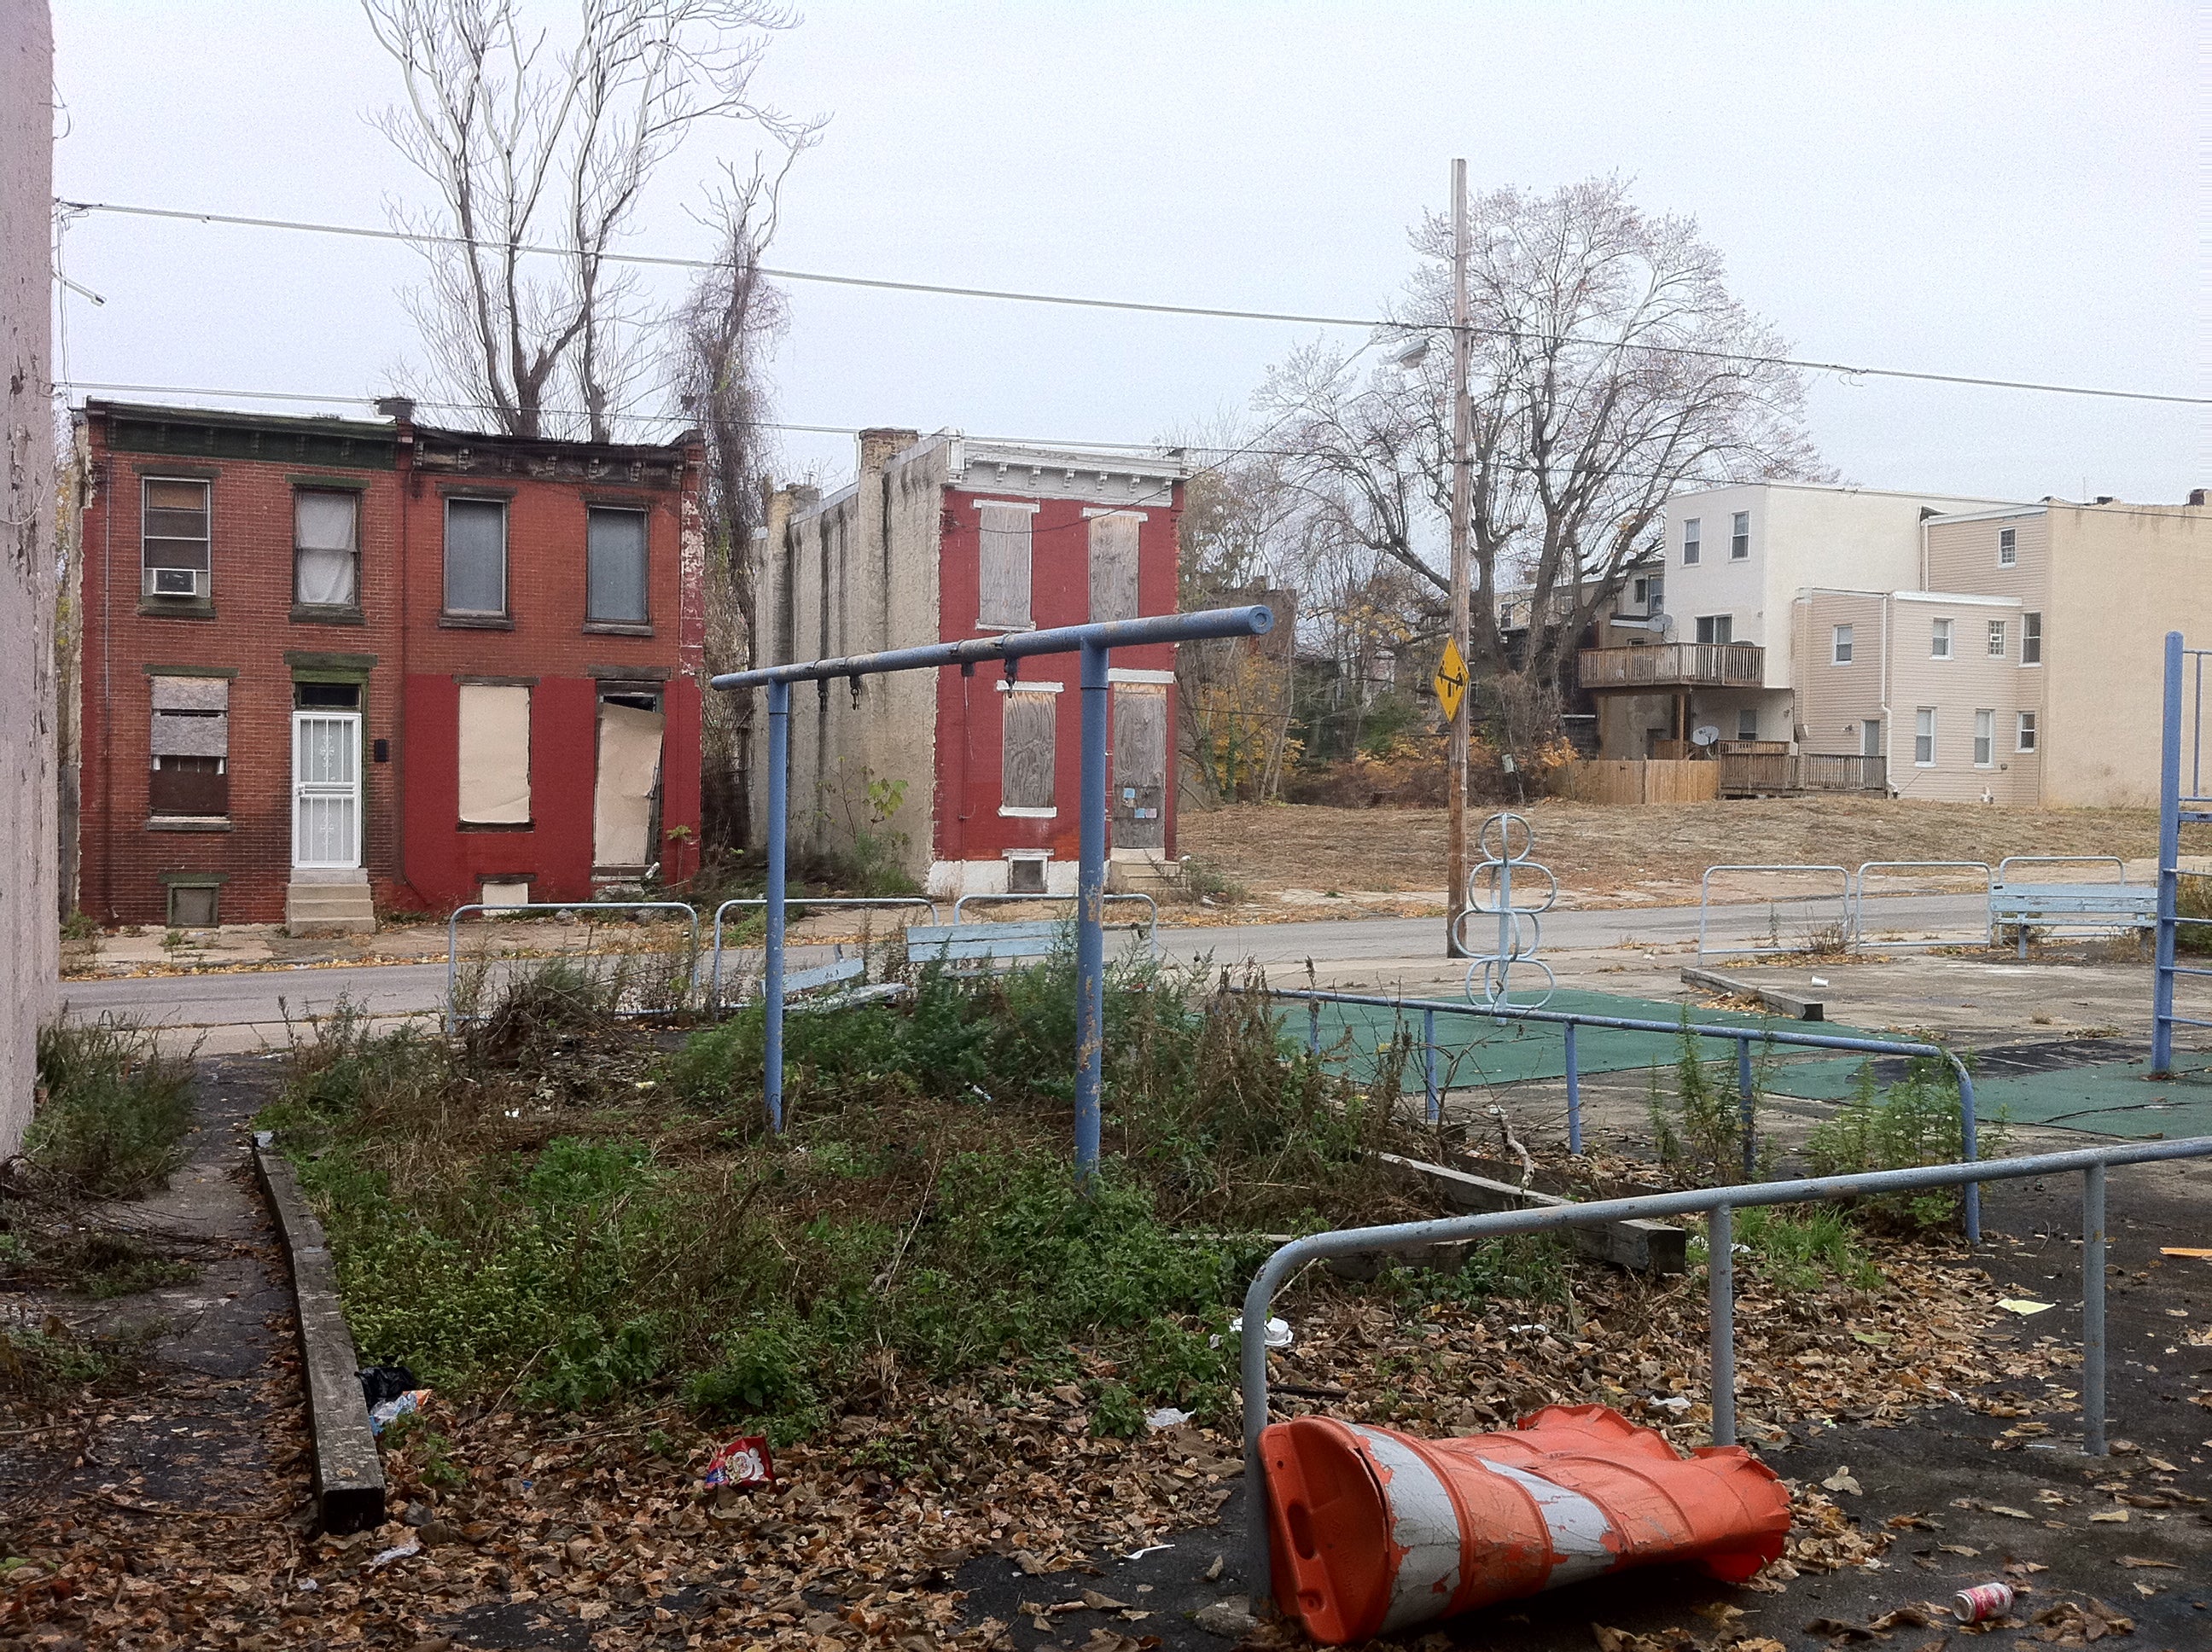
268	997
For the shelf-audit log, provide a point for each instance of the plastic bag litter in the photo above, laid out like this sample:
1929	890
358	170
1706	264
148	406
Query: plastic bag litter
743	1462
381	1382
383	1416
1166	1417
1278	1332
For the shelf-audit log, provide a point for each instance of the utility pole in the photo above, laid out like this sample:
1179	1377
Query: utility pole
1461	508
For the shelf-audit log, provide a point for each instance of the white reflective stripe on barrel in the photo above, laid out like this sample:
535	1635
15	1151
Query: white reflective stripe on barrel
1579	1528
1424	1524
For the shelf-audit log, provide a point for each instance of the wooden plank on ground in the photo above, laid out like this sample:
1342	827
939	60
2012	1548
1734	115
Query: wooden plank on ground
1781	1002
1645	1247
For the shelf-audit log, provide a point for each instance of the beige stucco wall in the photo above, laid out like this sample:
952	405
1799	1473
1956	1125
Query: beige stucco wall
2121	578
29	937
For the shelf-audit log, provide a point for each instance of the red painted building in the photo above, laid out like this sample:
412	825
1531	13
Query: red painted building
971	781
327	660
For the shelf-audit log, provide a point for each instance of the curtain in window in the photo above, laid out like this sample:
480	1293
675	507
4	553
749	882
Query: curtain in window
323	532
476	557
616	558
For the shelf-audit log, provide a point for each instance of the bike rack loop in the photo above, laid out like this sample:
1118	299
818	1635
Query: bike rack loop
1719	1204
501	908
1743	1036
1858	899
804	901
1705	896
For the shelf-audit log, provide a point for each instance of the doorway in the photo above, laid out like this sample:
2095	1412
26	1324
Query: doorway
326	788
1140	767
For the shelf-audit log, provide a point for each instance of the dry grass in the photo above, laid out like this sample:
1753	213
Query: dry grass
1654	851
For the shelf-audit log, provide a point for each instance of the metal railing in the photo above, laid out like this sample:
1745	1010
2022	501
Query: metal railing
2063	861
1718	1205
1743	1037
1777	949
567	909
1857	929
1152	924
715	971
2177	802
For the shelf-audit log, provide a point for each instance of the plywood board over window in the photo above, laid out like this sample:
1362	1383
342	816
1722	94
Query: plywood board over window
1114	567
629	787
189	741
1026	762
1140	766
494	754
1003	567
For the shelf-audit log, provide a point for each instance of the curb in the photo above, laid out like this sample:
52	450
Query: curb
348	1474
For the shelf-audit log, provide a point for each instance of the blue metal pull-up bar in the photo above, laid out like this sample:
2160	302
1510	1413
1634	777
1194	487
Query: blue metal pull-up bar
1093	643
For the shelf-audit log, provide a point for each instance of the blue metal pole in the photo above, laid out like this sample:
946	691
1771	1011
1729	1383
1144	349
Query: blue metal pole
1089	934
1574	1096
1747	1099
1428	1063
2169	859
1970	1148
779	828
2092	1311
1720	1306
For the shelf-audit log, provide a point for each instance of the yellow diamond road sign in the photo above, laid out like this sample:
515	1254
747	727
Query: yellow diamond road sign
1450	681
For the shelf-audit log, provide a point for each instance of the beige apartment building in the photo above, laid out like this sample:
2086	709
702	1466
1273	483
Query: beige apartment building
1926	646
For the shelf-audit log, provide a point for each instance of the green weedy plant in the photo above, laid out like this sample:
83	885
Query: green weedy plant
114	1110
1915	1121
1800	1250
1703	1131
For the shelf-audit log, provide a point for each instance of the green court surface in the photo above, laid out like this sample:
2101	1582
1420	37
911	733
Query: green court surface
2111	1098
1473	1049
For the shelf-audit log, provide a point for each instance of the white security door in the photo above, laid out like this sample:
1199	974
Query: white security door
325	788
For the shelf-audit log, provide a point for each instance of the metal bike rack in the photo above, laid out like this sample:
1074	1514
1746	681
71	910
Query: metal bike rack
501	909
1494	971
715	974
2175	806
1742	1037
1705	903
1718	1205
1856	930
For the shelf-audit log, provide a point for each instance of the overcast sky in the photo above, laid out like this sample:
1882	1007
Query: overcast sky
2007	190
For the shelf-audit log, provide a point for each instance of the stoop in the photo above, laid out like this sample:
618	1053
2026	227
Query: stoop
1140	873
329	903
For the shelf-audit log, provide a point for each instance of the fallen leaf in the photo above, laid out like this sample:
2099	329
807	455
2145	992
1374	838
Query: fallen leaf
2136	1562
2112	1516
2024	1306
1842	1480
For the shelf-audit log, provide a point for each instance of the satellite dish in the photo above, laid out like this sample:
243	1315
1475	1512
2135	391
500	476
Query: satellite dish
1703	734
1663	624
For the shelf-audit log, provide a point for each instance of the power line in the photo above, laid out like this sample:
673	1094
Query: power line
1845	370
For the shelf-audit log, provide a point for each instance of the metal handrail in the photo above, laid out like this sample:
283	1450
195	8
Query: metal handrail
1858	920
714	986
2177	803
2062	860
1719	1204
1705	903
1743	1037
453	1019
1152	927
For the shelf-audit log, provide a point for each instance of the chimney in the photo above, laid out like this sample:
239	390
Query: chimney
398	409
2200	496
880	446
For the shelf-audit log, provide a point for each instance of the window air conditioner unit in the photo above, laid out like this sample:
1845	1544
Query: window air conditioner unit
176	582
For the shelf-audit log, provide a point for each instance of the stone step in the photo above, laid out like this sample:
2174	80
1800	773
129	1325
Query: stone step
341	908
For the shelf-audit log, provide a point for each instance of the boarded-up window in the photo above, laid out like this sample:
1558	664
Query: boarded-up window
1114	567
476	557
615	551
326	571
190	745
1003	600
1025	765
494	754
1140	766
628	786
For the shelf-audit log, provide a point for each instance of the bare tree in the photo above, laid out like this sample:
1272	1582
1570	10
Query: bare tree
530	147
1611	367
719	353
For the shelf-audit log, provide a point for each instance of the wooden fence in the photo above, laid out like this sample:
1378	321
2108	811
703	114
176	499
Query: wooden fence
1617	781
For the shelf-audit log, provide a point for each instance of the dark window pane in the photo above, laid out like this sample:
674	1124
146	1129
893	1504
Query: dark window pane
189	786
476	557
327	696
617	554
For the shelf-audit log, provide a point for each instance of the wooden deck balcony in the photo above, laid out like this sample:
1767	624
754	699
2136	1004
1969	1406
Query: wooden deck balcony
1664	667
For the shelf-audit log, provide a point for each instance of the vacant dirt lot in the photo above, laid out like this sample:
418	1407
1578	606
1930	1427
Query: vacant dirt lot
1654	851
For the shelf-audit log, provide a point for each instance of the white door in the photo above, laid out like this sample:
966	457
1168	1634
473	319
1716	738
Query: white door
325	788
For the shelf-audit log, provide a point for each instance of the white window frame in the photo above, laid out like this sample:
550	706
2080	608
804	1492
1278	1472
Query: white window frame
2007	547
2024	731
1740	536
446	559
1923	737
1942	637
1997	640
1715	622
206	583
1843	644
2031	639
1985	737
1693	541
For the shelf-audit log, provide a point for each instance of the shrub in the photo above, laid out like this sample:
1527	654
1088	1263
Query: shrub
1916	1122
113	1111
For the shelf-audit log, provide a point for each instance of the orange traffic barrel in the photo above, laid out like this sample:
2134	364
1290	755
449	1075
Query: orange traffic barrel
1374	1530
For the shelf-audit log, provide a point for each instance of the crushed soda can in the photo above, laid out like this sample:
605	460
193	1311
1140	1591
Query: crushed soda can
743	1461
1982	1603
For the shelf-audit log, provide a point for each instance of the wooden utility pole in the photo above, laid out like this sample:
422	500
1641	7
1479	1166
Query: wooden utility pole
1461	507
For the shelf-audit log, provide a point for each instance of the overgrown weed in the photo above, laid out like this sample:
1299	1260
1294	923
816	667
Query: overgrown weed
112	1110
1915	1121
